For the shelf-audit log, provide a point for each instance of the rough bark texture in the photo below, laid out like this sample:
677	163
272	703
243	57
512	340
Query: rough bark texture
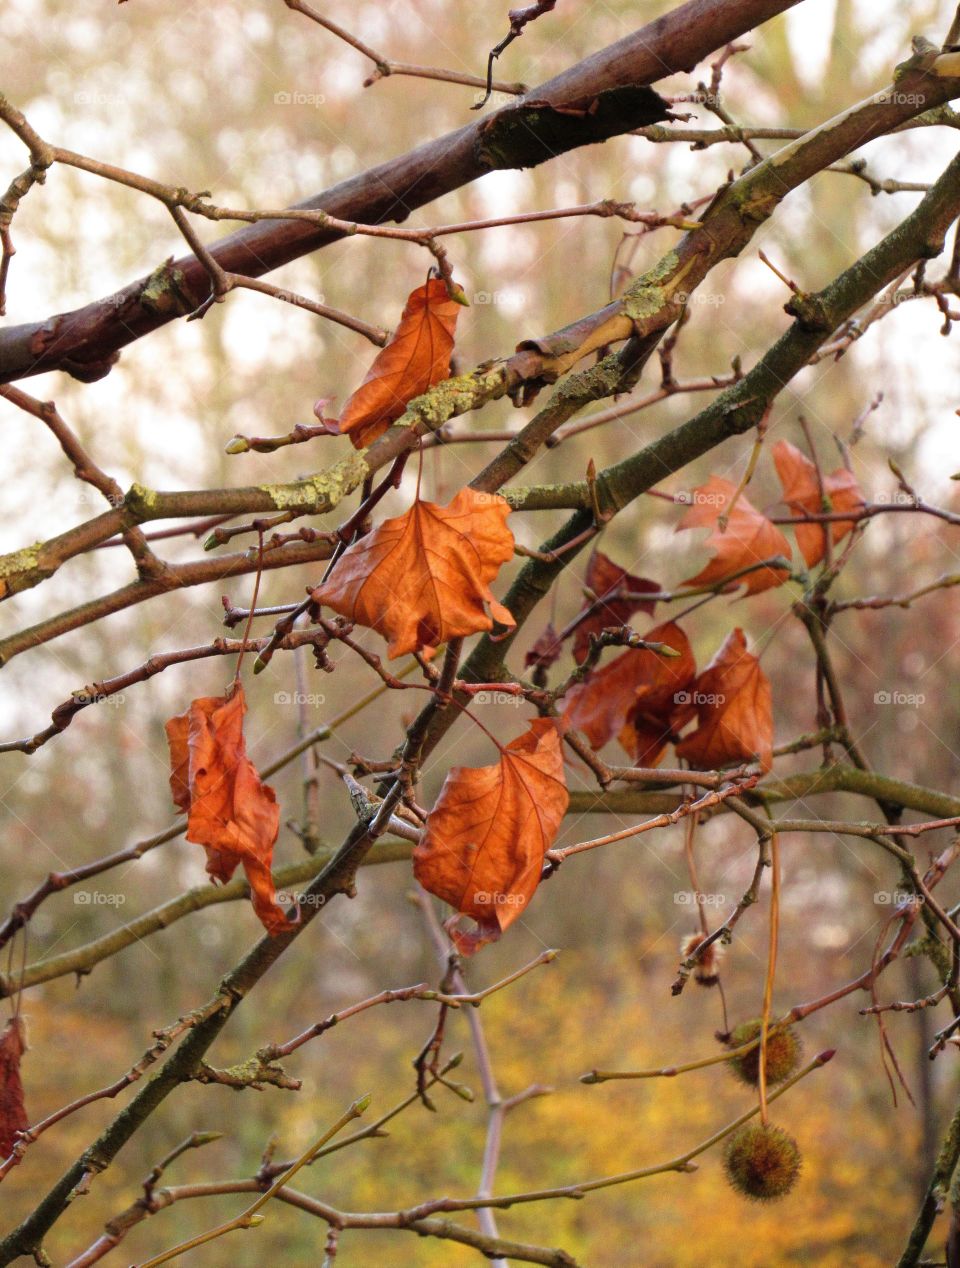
86	341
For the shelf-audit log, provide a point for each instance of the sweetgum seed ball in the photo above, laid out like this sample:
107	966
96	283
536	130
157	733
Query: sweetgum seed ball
784	1048
762	1162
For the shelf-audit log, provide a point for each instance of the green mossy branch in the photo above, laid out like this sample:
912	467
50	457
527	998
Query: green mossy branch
83	960
839	778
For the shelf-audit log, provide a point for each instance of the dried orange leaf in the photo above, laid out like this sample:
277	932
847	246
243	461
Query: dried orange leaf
734	710
417	357
634	696
652	721
606	579
424	577
230	811
801	492
482	851
13	1115
748	538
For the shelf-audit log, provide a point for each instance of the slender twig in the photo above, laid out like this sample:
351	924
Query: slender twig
556	856
384	67
250	1218
771	972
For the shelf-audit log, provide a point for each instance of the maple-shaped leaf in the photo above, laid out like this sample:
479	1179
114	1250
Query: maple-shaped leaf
424	577
634	696
651	721
230	811
748	537
606	579
734	709
801	492
483	847
417	357
13	1115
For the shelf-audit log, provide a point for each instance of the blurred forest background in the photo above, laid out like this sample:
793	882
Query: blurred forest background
194	95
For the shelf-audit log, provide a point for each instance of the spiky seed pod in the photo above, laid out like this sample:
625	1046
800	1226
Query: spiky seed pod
707	969
762	1162
784	1049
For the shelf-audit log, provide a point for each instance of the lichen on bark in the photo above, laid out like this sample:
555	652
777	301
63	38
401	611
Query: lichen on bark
323	491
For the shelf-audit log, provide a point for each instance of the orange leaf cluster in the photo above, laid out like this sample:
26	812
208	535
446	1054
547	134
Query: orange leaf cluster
605	579
801	492
645	699
748	537
482	851
635	696
424	577
734	710
230	811
13	1115
417	357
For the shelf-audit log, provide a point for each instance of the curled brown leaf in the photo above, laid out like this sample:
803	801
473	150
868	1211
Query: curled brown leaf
230	811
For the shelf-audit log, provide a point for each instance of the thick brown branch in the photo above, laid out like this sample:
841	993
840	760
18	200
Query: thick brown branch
174	577
85	342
